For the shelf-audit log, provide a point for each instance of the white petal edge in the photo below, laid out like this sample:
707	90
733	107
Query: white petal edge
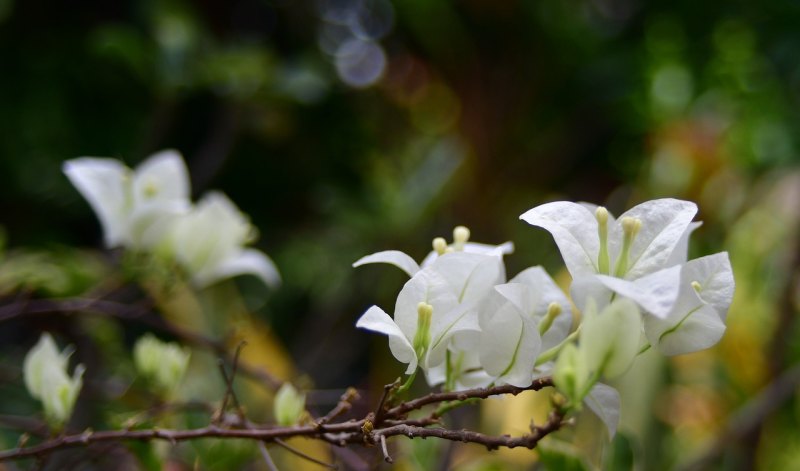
376	320
604	401
102	183
248	261
574	229
393	257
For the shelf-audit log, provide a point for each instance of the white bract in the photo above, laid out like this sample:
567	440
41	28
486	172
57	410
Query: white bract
134	207
518	320
210	242
645	239
164	363
439	303
45	375
689	303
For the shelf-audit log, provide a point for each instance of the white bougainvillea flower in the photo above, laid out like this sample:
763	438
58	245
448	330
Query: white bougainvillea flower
688	303
209	241
518	320
45	375
460	244
134	206
645	239
437	304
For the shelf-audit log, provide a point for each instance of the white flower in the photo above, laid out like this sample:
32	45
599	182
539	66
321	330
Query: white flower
460	244
645	239
439	303
518	320
134	207
209	241
163	362
45	374
688	303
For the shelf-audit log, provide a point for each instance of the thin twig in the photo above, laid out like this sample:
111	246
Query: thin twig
262	447
299	453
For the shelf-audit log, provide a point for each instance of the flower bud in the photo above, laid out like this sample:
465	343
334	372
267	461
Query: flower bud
45	374
163	363
289	405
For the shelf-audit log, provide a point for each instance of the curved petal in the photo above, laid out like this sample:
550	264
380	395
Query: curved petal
574	229
604	401
681	252
469	275
685	332
664	223
393	257
540	291
376	320
609	341
475	247
510	344
715	276
587	289
162	177
248	261
656	293
104	185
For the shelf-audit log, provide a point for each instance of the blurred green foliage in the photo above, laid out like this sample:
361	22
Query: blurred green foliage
480	111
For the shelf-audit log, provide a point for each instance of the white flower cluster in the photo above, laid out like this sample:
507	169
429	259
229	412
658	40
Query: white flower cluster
149	209
464	325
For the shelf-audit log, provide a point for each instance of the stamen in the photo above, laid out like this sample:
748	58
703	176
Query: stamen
630	228
460	237
423	336
601	214
150	189
696	285
439	245
553	310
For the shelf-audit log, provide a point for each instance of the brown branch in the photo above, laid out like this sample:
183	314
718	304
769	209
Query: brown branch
363	431
477	393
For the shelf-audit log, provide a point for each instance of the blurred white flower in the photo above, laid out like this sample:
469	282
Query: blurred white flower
45	374
134	207
209	241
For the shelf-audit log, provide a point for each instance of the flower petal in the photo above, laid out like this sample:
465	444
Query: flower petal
686	331
248	261
162	177
574	229
664	224
510	344
604	401
715	276
376	320
103	183
393	257
656	293
540	290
